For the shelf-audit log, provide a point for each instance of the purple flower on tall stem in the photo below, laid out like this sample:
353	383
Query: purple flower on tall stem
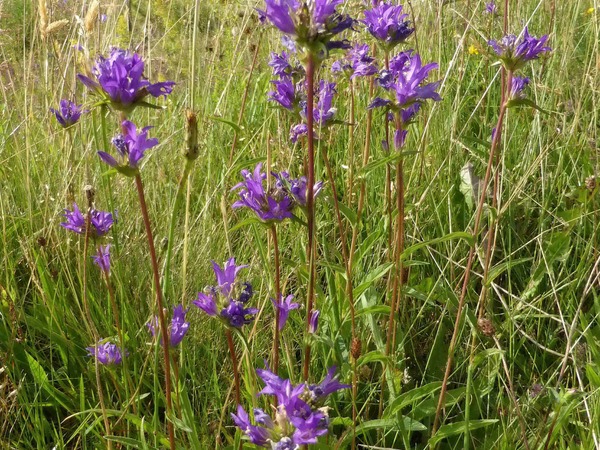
284	93
323	112
297	187
102	258
101	221
106	353
388	24
178	328
120	81
131	147
406	83
272	205
515	53
68	114
300	418
490	8
356	63
227	300
312	24
284	306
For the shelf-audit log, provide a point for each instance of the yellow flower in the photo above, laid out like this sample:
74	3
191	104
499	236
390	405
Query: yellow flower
473	50
590	11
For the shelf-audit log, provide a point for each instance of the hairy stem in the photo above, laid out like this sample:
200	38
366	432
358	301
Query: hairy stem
310	203
278	298
159	305
470	260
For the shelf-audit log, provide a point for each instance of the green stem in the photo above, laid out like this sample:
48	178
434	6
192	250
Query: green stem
179	197
278	298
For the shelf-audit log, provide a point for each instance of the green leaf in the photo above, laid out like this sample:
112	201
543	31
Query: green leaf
449	237
407	424
499	269
410	397
232	124
374	310
455	428
517	102
373	356
373	276
247	222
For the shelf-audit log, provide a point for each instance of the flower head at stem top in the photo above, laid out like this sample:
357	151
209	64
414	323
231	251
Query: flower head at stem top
311	24
178	328
300	418
100	221
68	113
102	258
106	353
270	205
131	147
228	299
515	53
388	24
119	81
296	187
490	8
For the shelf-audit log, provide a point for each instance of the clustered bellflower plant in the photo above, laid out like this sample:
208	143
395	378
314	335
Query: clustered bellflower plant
515	53
311	24
106	353
356	63
102	258
388	24
300	416
131	147
68	113
178	328
275	204
100	221
323	112
120	82
227	300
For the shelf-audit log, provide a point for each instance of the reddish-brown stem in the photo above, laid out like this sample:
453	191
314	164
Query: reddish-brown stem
388	172
159	305
310	204
351	146
278	299
234	363
470	260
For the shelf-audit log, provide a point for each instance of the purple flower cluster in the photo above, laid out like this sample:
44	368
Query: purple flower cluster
131	147
100	221
323	111
178	328
300	418
516	53
228	299
388	24
68	113
356	63
490	8
278	202
120	80
289	87
106	353
311	24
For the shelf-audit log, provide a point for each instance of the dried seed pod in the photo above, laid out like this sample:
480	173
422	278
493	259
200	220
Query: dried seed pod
486	327
355	348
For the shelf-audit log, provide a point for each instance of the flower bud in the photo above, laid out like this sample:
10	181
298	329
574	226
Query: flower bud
191	151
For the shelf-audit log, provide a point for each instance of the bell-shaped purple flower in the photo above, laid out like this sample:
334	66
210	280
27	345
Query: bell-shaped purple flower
517	89
283	308
101	221
120	80
102	258
313	321
273	205
312	24
387	23
178	328
68	114
515	53
131	147
490	8
297	187
106	353
299	419
284	93
227	300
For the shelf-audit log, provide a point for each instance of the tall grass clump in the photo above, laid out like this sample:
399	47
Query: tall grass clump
299	224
